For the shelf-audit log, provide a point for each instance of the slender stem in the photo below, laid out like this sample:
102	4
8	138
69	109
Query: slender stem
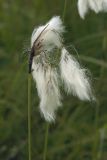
95	145
29	116
64	10
46	141
97	154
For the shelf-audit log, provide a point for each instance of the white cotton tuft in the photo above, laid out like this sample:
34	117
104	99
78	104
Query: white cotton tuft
104	5
56	24
48	90
50	37
44	41
74	78
36	33
82	8
95	5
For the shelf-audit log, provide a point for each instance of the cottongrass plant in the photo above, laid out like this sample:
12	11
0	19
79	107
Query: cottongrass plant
52	66
95	5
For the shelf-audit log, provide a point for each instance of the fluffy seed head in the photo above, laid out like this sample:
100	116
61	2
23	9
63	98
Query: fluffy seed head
44	41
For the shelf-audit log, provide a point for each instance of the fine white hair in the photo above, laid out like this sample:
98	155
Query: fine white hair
50	38
74	77
82	7
48	77
48	88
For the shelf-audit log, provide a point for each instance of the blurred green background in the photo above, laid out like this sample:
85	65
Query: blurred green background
80	131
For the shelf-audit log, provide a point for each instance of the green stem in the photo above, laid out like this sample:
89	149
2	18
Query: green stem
64	10
29	116
95	145
46	141
97	154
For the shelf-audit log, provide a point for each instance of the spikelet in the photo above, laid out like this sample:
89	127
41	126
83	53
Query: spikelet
48	77
45	76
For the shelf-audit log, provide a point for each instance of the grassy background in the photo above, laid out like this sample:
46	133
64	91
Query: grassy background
80	131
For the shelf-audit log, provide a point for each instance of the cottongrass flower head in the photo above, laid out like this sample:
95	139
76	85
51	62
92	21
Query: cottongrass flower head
52	65
95	5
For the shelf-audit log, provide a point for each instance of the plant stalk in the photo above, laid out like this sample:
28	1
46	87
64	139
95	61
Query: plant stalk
46	141
29	116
